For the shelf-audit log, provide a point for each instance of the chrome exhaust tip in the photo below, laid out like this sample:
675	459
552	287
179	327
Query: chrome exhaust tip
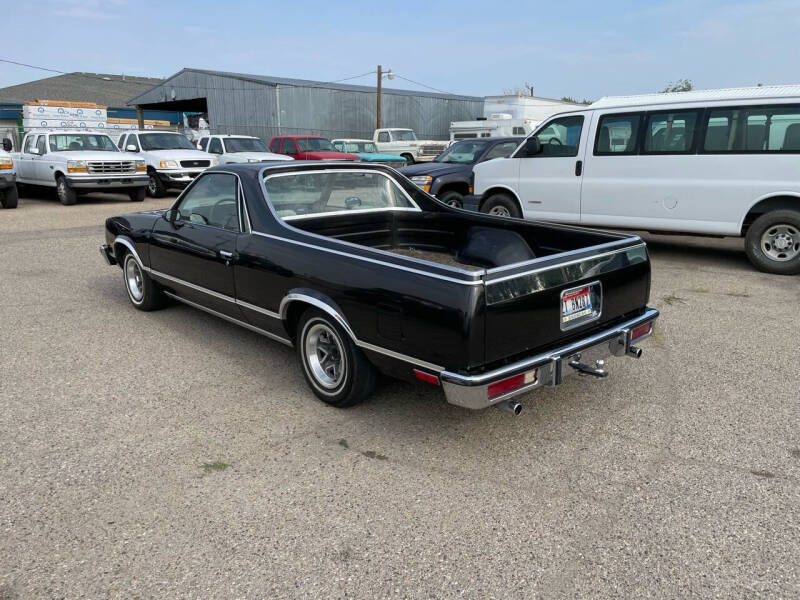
510	406
635	352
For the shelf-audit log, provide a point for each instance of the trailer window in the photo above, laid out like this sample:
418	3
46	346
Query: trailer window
617	134
670	132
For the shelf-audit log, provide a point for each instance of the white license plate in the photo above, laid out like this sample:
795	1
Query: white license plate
576	304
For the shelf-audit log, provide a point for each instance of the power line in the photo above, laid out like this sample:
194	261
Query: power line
425	86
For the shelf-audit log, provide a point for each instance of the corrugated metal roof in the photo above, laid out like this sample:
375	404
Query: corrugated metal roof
101	88
741	93
289	82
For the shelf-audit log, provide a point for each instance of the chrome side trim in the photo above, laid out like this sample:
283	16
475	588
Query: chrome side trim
231	319
375	260
296	297
193	286
258	309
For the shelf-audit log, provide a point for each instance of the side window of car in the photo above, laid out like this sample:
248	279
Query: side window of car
30	143
339	146
501	150
212	201
132	141
288	147
383	136
273	145
203	143
670	132
561	137
41	144
215	146
617	134
121	142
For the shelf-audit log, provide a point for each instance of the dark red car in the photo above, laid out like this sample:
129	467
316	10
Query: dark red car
308	147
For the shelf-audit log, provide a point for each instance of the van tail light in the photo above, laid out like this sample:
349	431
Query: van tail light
426	377
509	384
641	331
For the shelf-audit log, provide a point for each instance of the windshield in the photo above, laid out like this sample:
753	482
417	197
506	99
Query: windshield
404	135
314	144
165	141
245	145
462	153
364	147
76	142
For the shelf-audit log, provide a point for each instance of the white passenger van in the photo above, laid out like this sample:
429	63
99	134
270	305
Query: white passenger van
715	162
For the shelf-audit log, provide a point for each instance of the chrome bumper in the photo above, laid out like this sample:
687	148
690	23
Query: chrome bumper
107	181
108	254
179	176
472	391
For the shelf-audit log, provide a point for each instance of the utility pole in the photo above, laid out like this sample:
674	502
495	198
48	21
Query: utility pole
378	111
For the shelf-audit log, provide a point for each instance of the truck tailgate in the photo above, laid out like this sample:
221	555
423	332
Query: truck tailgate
561	297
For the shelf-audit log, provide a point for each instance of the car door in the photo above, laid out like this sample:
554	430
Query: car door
43	170
27	158
289	148
550	180
192	254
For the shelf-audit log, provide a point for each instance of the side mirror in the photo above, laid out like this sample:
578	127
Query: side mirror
532	147
131	148
172	216
7	145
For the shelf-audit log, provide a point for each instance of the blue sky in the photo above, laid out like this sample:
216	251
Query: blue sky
580	49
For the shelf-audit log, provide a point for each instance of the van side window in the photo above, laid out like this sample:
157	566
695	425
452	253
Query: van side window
561	137
617	134
670	132
753	129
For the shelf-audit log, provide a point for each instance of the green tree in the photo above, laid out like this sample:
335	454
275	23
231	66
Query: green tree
682	85
575	101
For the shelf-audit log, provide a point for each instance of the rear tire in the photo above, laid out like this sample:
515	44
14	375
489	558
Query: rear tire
144	293
156	187
138	194
501	205
335	369
772	242
66	194
409	159
453	198
10	197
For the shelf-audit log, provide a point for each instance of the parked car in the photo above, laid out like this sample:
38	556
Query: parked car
404	142
8	177
449	176
367	151
79	161
719	162
172	161
308	147
238	149
361	271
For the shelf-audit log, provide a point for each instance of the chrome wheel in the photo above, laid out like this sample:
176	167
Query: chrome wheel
325	356
133	279
152	185
781	242
499	211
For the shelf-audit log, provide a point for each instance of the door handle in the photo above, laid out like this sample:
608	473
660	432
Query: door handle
578	168
228	257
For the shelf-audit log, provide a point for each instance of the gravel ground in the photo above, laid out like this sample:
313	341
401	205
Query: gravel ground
172	454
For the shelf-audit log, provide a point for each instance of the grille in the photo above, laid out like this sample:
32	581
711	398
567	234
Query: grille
106	167
195	163
432	149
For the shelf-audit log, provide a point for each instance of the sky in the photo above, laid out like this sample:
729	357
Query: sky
578	49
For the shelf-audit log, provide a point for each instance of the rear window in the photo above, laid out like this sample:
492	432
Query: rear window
753	129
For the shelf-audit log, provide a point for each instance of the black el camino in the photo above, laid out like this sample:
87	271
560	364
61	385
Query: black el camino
361	271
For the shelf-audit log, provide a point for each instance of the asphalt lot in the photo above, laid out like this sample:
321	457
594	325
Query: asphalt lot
172	454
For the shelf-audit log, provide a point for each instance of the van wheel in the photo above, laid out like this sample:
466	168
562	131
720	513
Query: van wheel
453	199
66	194
155	187
409	159
772	242
334	367
501	205
10	197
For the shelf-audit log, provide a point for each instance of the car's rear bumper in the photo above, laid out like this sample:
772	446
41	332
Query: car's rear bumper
547	368
107	181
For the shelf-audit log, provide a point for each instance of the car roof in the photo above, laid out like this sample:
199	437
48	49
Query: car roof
514	138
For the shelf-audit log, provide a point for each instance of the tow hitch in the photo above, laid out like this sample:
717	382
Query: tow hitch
599	369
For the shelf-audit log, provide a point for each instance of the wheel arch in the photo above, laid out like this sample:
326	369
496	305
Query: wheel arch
58	173
125	242
765	204
457	185
501	189
298	300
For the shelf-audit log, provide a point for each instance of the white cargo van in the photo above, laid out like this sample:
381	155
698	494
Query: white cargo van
715	162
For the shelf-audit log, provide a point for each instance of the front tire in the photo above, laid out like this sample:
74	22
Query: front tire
453	199
156	187
772	242
501	205
143	292
10	197
409	159
334	367
66	194
138	194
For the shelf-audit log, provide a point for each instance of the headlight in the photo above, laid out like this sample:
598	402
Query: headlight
6	163
168	164
423	181
140	166
76	166
253	160
419	151
214	162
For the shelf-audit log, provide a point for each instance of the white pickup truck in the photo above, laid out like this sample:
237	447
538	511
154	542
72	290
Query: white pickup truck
404	142
238	149
8	177
79	161
170	158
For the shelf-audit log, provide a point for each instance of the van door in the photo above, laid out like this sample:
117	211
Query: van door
550	181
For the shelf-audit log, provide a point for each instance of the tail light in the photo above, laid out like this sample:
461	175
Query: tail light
641	331
426	377
509	384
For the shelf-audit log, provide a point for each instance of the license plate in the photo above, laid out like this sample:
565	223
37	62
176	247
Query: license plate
580	305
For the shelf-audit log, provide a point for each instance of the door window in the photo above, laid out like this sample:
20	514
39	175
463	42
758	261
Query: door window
273	145
30	143
383	136
670	132
288	147
121	142
617	134
203	143
561	137
501	150
211	201
132	141
41	145
215	146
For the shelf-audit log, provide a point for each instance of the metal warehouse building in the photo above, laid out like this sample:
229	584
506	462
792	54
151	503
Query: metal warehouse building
268	106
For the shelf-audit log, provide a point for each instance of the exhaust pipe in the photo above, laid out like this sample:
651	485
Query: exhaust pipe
635	352
510	406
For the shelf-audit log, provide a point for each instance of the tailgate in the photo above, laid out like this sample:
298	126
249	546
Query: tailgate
561	297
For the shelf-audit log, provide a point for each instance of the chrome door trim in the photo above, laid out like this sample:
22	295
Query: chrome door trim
258	309
193	286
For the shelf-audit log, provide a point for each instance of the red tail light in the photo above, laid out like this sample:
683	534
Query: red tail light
641	331
509	384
